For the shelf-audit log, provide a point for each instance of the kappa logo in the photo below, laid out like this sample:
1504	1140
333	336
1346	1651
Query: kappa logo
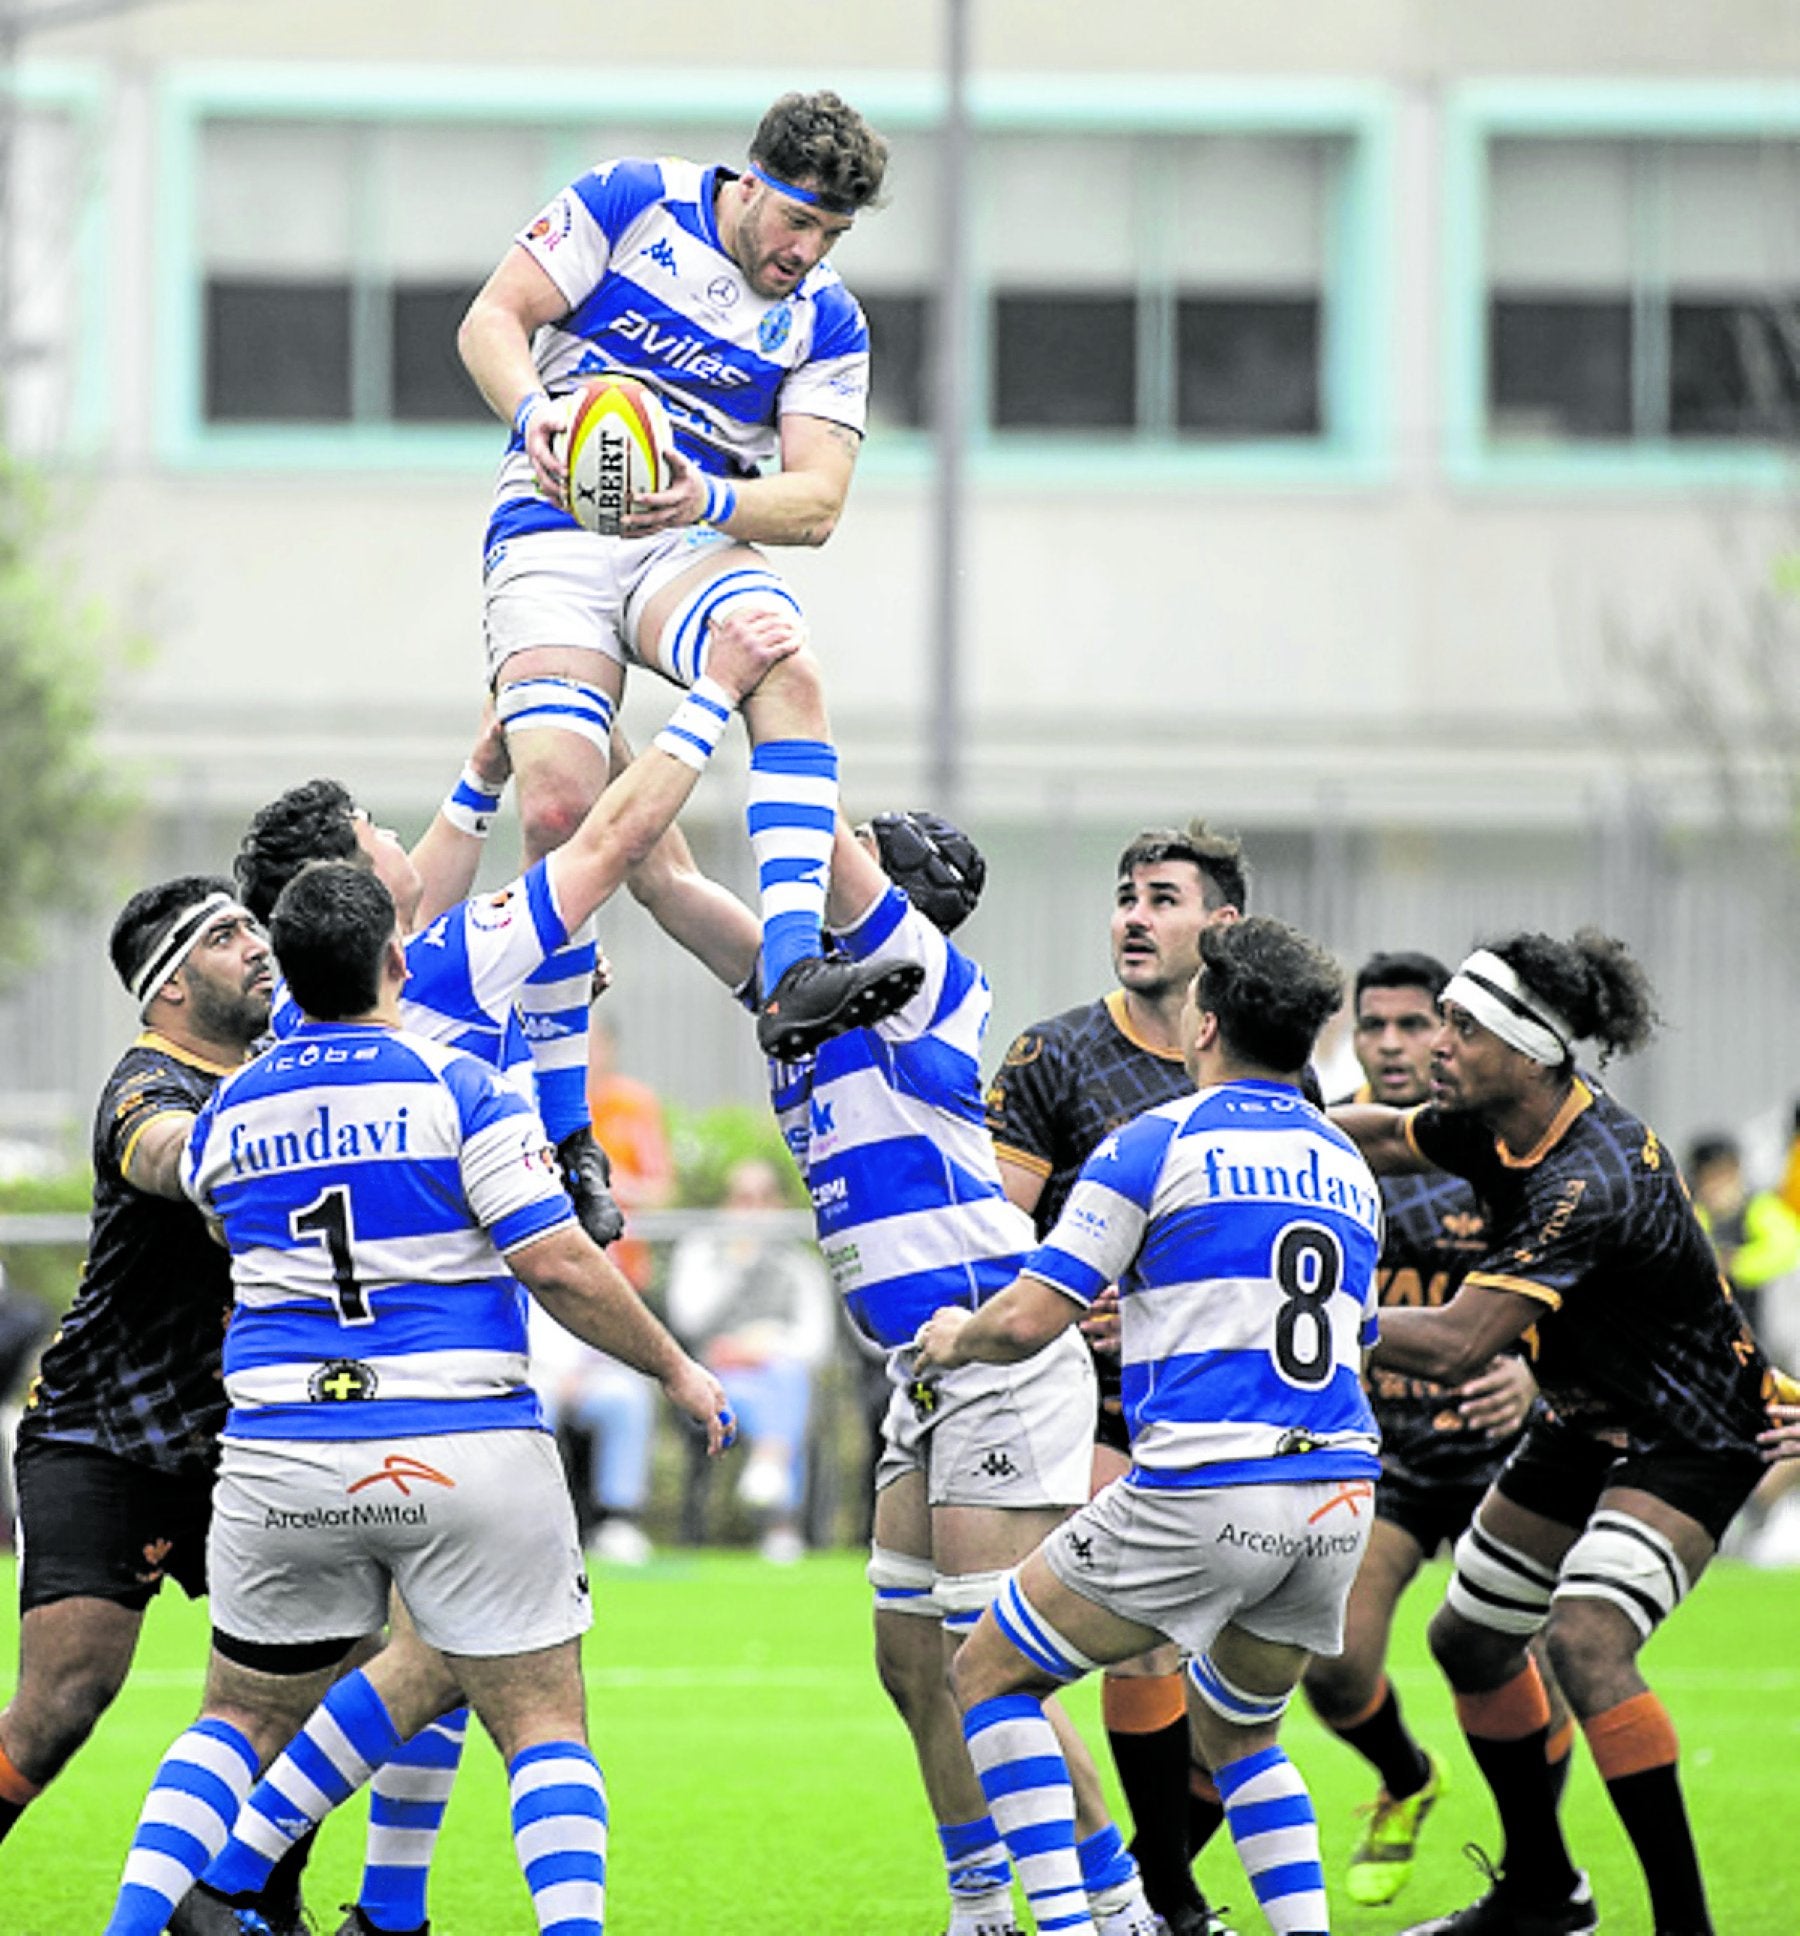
922	1395
662	255
997	1465
155	1552
821	1117
404	1472
1082	1546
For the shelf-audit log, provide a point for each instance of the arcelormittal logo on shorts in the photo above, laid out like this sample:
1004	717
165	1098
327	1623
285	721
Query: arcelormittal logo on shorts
405	1472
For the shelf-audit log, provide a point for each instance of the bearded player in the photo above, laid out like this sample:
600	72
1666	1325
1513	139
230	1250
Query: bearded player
1064	1086
711	286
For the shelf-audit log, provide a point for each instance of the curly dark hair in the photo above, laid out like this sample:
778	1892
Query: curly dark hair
1592	982
1271	987
821	140
1224	872
316	821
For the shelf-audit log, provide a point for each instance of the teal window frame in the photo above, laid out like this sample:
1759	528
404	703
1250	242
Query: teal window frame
1476	116
1354	449
80	91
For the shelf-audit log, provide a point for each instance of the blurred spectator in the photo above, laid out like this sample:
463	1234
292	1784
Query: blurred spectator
604	1416
628	1125
1756	1235
756	1311
24	1325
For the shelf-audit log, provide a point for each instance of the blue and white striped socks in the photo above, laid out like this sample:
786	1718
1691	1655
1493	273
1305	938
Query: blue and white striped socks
559	1829
1277	1836
979	1875
553	1010
407	1800
194	1798
349	1736
1026	1782
793	821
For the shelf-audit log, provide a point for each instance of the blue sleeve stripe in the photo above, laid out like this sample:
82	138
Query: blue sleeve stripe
533	1221
839	327
877	926
1062	1270
546	917
616	196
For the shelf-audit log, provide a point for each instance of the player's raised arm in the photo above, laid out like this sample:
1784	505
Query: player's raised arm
696	911
639	807
494	341
1381	1134
798	505
448	853
589	1295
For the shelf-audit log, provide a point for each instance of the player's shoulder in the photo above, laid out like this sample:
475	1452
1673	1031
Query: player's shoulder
616	190
1058	1038
152	1065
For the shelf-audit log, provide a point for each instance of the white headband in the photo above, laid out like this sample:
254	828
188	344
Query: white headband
178	943
1492	992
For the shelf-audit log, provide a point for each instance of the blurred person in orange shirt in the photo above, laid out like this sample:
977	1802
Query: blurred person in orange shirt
629	1126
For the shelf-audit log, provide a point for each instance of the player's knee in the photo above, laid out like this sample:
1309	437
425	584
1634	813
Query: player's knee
1587	1643
1461	1648
1341	1687
553	802
54	1720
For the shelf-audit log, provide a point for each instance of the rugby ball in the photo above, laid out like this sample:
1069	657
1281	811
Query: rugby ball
614	451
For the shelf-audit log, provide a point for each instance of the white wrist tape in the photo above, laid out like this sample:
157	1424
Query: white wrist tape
698	724
470	806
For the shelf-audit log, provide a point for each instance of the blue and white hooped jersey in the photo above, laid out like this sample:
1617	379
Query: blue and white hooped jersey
369	1184
1242	1229
464	973
635	249
886	1125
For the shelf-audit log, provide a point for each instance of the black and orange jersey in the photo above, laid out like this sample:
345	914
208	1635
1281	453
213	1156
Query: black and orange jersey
1639	1338
1435	1231
134	1367
1067	1084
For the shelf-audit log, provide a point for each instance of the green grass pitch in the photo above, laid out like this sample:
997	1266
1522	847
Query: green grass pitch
761	1786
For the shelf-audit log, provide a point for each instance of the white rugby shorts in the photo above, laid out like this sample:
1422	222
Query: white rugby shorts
474	1529
1278	1559
576	590
994	1435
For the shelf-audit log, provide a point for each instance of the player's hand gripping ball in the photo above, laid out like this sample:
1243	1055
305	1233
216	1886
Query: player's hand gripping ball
615	451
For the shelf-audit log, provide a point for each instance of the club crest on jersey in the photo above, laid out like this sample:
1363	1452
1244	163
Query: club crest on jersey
774	329
552	227
344	1381
492	912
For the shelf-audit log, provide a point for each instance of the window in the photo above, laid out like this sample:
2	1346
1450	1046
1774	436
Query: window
1643	290
53	188
338	258
1178	291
